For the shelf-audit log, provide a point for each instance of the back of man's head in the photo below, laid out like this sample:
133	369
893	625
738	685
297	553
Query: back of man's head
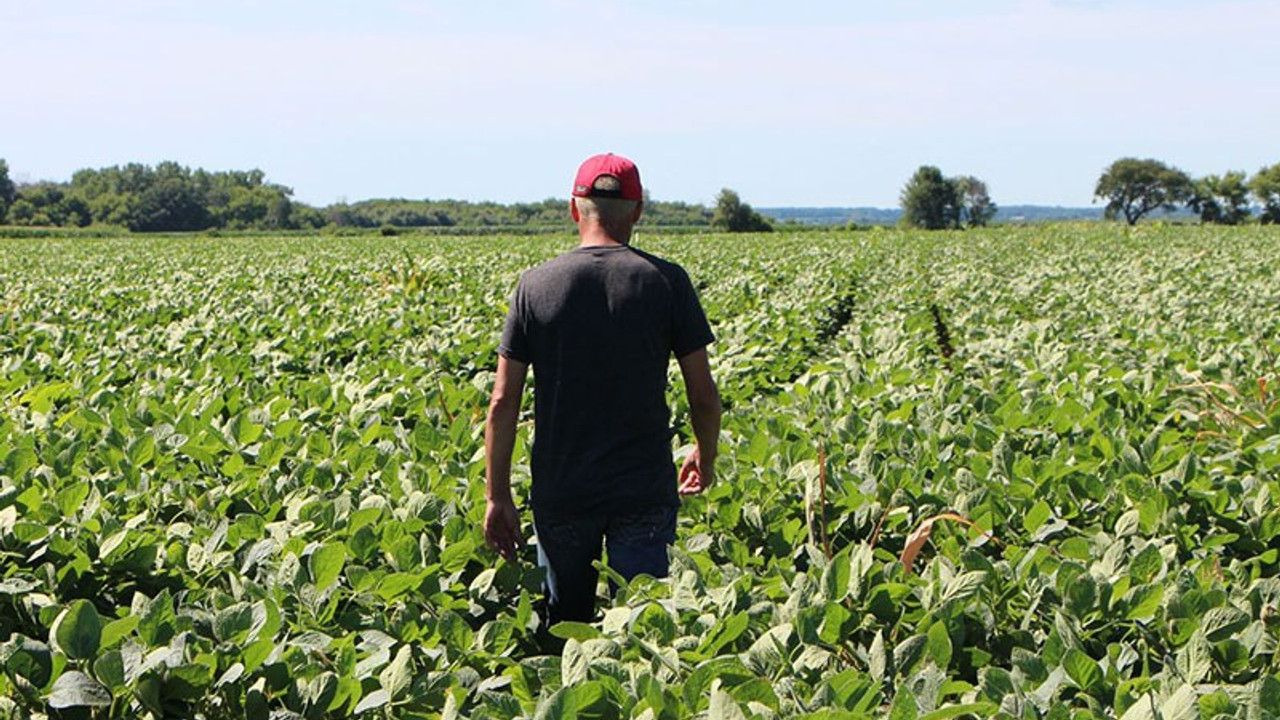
607	191
607	211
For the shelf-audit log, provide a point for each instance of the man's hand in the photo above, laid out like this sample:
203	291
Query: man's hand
502	528
696	474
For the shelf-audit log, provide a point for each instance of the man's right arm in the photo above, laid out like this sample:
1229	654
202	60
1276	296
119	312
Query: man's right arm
502	519
698	471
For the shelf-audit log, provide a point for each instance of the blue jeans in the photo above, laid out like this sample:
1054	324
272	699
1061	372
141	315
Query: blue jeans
636	544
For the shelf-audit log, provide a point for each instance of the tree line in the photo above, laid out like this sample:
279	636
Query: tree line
167	197
171	197
1131	187
1134	187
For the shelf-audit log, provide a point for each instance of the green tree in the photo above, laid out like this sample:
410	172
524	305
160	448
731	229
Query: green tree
170	204
8	191
1265	186
48	203
1134	187
305	217
1221	200
976	207
930	201
733	215
22	212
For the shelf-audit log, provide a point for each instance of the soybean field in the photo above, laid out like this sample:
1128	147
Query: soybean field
1017	473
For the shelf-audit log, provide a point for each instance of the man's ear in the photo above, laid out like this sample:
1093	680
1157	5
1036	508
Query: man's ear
573	210
639	211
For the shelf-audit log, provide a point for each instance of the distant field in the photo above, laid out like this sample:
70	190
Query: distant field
890	216
1020	473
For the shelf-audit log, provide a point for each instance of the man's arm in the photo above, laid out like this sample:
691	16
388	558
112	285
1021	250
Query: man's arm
501	518
698	471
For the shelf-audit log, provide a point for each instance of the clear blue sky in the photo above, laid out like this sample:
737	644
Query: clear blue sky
797	103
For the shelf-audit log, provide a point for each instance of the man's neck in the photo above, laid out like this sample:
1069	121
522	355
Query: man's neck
596	235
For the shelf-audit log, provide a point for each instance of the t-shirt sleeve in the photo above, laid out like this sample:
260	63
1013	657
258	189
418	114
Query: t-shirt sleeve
692	331
515	339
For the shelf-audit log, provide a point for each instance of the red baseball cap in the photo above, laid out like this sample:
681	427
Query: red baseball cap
608	175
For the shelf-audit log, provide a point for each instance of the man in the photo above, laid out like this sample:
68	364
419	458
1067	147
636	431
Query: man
599	325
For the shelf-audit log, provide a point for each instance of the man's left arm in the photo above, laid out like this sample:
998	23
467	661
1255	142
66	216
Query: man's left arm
501	518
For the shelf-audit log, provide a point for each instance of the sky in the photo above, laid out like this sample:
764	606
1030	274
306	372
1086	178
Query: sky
823	103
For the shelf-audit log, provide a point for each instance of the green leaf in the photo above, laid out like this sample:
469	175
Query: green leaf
723	706
1188	467
78	630
1143	708
1143	602
142	450
963	586
244	430
257	653
397	584
495	637
28	658
1083	670
326	564
995	683
18	462
975	709
1132	461
1194	660
116	630
456	556
854	690
75	689
17	586
1265	693
1215	704
574	664
724	633
588	700
1036	516
834	618
1128	523
1182	705
570	630
835	577
727	669
70	500
372	701
109	669
395	677
904	705
190	681
756	690
769	651
1220	623
233	622
455	631
560	706
1146	565
879	660
155	622
861	560
653	621
939	645
1082	595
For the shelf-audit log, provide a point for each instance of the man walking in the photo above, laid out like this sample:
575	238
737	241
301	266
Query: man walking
599	325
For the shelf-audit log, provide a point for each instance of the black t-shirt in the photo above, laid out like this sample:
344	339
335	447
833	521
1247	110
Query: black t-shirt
599	326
